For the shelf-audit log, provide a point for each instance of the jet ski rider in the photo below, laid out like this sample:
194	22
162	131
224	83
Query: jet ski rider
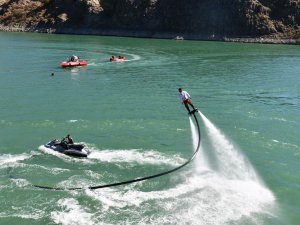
68	140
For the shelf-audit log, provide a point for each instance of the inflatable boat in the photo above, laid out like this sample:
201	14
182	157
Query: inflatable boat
119	59
76	150
72	64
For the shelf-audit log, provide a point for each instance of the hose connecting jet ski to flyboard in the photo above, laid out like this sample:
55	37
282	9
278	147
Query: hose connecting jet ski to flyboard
192	113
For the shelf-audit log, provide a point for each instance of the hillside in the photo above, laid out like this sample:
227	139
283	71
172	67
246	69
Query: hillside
191	19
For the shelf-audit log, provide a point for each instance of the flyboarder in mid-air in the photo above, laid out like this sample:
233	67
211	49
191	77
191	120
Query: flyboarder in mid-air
186	100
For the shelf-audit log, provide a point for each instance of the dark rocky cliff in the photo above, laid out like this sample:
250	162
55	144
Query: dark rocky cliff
198	19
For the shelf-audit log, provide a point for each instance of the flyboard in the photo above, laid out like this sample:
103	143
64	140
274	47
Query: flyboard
193	112
136	179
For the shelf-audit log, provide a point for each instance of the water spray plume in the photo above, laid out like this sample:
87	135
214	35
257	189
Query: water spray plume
231	162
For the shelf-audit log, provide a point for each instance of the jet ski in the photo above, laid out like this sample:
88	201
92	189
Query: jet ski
63	147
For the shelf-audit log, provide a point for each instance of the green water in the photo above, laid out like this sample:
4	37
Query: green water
130	117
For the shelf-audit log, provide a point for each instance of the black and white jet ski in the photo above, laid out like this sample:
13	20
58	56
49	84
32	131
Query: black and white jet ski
67	149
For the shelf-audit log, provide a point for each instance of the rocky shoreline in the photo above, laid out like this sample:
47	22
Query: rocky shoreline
147	34
249	21
264	40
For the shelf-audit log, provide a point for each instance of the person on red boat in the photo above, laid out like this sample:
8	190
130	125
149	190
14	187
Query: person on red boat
74	58
112	58
186	100
121	57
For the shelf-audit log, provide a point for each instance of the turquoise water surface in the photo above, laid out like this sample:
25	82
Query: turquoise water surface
129	116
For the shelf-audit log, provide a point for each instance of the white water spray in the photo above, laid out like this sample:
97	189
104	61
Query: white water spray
201	161
194	133
232	189
231	162
207	196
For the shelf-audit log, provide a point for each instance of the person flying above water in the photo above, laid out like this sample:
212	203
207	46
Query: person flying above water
186	100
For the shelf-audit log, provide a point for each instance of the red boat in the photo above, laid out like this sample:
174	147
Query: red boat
72	64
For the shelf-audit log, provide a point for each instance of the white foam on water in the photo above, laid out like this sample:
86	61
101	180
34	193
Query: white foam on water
21	215
8	160
72	121
25	213
131	156
52	170
92	64
237	182
201	161
135	156
280	119
206	199
72	213
76	181
20	182
134	57
43	149
231	162
75	71
229	194
132	197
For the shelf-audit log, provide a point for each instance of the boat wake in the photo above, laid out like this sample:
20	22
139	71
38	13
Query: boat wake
222	188
133	57
128	156
135	156
9	160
